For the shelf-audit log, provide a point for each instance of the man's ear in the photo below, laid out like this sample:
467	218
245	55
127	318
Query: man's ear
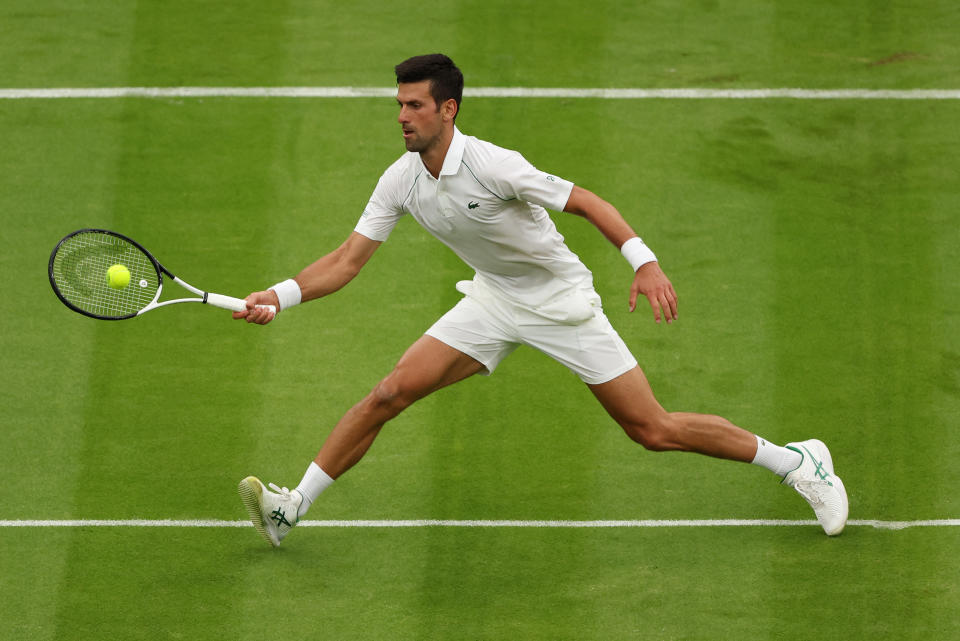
449	109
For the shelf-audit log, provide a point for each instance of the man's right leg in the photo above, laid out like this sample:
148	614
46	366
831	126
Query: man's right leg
428	365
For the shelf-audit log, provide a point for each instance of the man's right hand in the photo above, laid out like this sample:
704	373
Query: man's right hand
259	315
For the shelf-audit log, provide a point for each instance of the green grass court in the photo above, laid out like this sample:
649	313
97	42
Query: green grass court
813	244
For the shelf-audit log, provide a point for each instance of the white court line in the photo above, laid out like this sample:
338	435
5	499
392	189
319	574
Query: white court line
482	92
437	523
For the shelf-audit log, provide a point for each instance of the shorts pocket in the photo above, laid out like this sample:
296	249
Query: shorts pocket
572	307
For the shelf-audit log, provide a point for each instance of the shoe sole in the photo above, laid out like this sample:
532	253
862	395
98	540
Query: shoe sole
838	483
250	490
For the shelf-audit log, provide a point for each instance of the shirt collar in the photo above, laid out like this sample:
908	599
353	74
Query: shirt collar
451	163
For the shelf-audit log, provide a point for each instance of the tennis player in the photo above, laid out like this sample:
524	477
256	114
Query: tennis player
488	205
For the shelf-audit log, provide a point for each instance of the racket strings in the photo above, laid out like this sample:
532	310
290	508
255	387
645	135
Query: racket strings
80	274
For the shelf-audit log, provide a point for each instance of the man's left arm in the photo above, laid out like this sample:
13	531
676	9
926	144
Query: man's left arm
649	279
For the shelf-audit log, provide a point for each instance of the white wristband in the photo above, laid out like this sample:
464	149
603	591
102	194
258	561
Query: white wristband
288	292
636	253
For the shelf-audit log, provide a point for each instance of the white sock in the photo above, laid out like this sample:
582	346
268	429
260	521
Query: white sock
778	460
314	481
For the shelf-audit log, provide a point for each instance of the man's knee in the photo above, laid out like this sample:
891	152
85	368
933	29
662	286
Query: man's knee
653	433
393	394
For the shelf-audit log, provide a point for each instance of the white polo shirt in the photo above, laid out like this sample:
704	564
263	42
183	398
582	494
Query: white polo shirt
488	207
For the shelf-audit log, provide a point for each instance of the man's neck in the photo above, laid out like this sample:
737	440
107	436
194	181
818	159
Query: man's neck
433	158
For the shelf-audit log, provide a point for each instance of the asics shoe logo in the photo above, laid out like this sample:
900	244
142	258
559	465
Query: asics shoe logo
821	473
281	519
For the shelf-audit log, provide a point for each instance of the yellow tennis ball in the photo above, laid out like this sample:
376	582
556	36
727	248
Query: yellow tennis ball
118	276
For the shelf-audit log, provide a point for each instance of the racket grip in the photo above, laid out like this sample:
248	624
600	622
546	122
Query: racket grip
231	303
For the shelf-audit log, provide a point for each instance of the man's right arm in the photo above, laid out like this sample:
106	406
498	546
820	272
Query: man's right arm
324	276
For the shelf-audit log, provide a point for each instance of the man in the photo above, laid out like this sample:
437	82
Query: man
489	206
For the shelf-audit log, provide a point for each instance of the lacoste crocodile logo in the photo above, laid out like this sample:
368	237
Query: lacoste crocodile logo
473	204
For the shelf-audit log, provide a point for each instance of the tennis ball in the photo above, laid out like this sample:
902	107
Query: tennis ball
118	276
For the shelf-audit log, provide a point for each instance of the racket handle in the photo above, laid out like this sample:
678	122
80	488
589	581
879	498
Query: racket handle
231	303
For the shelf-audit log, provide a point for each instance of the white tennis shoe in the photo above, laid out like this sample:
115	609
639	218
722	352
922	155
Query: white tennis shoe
273	514
815	481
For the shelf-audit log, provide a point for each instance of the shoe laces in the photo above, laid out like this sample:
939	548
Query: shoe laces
282	491
813	491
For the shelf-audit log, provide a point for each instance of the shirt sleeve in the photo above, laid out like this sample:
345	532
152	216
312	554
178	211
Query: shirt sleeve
383	210
514	177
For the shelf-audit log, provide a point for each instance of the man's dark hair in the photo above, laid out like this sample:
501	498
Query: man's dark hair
446	81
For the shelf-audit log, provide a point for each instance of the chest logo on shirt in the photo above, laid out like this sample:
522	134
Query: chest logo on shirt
473	204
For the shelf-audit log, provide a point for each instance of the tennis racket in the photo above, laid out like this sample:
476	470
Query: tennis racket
79	267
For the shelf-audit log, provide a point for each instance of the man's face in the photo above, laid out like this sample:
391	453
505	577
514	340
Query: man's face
420	119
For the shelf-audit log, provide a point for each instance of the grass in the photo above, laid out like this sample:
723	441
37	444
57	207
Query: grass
813	245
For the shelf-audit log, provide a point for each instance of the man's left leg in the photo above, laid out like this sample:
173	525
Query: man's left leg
806	466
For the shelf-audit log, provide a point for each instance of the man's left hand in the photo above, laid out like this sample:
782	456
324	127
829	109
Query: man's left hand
654	284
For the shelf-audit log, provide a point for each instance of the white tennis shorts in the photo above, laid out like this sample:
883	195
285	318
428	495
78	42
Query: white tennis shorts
488	328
